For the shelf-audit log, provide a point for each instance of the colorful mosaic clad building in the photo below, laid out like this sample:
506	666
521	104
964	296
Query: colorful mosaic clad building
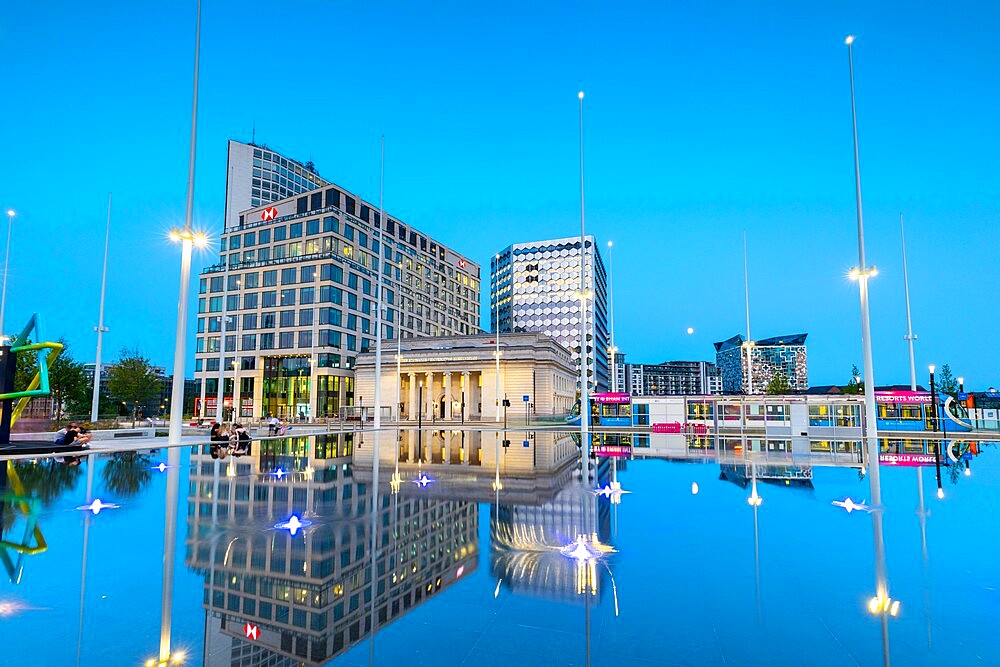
747	367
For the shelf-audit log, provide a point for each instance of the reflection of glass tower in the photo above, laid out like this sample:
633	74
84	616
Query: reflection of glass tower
535	287
525	542
310	594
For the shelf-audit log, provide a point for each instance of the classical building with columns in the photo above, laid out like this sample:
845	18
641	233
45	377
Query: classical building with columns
454	378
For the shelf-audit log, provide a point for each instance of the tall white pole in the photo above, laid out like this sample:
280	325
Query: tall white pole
611	313
6	261
584	398
496	299
746	295
378	308
187	238
871	429
100	328
220	393
910	337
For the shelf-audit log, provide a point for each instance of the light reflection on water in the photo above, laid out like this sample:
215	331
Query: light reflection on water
759	566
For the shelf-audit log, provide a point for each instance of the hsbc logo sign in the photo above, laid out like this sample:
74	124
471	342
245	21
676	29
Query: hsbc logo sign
269	214
251	631
461	263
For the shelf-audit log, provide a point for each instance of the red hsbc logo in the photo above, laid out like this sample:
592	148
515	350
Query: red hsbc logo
268	213
251	630
461	263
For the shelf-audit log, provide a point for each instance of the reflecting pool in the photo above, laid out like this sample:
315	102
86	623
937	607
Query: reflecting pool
479	553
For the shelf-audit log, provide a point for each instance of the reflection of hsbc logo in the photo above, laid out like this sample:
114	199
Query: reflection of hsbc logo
268	213
251	631
461	263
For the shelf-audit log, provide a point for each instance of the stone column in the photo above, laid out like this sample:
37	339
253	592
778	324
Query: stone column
411	404
466	395
447	395
429	396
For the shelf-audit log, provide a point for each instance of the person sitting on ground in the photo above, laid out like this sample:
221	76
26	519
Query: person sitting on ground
239	440
63	433
82	438
217	436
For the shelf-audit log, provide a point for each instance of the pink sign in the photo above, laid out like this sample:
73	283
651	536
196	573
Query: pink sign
906	459
902	397
612	397
667	427
617	451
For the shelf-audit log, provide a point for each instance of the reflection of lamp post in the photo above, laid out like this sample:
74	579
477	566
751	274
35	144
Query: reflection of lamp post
420	406
934	427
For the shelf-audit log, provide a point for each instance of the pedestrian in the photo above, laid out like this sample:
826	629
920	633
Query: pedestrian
272	425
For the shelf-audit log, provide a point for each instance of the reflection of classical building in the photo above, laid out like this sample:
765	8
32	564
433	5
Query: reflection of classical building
471	459
748	366
455	378
536	287
310	594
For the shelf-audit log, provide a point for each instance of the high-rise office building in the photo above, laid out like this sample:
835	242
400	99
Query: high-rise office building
536	287
687	378
257	175
292	301
747	367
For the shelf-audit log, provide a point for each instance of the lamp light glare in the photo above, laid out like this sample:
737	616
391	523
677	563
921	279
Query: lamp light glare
849	40
854	274
940	494
580	94
10	212
930	367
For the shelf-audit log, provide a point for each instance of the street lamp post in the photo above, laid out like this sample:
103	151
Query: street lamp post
6	261
188	239
863	273
613	350
100	328
584	398
496	336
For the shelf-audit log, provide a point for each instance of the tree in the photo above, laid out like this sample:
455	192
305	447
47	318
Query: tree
127	473
68	385
855	386
132	380
946	382
778	384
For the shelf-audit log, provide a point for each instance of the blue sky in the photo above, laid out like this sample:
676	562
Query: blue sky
702	120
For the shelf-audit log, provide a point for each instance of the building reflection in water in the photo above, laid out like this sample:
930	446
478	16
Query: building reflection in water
307	597
528	543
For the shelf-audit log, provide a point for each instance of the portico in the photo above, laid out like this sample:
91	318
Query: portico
454	379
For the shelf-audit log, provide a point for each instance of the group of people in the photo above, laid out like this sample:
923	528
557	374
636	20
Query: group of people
73	435
276	426
229	439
